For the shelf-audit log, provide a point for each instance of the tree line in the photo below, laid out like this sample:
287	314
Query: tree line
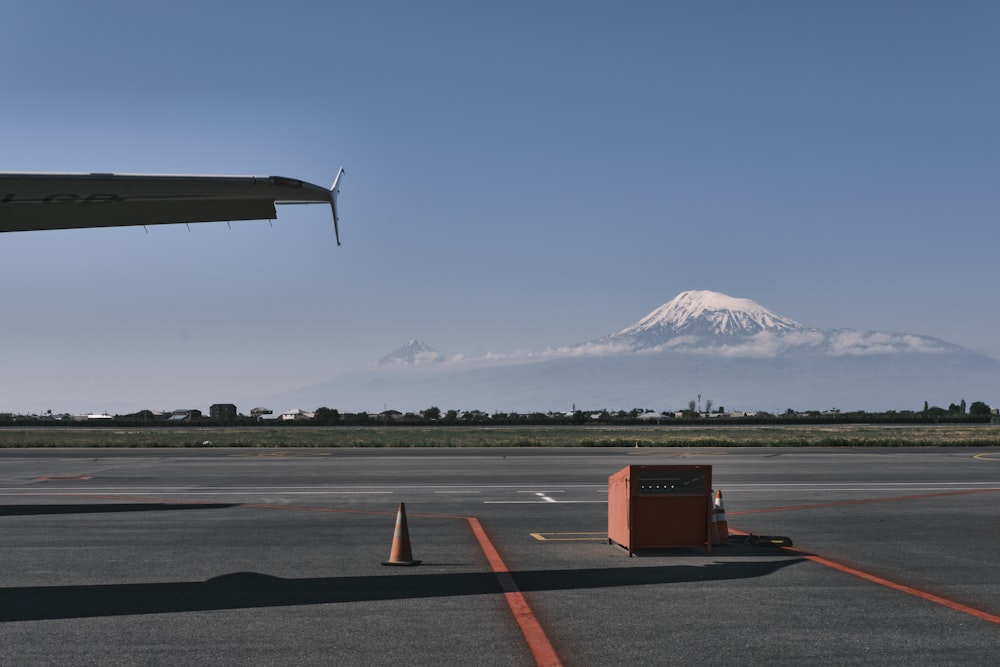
957	413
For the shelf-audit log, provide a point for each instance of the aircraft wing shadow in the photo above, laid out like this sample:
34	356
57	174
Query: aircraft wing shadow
253	590
40	509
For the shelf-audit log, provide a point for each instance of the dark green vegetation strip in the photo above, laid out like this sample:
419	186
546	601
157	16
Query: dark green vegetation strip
554	436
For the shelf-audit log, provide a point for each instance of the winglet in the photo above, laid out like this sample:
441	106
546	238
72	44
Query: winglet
334	191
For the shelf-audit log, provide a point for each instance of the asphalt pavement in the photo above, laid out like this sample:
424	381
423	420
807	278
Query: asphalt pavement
274	557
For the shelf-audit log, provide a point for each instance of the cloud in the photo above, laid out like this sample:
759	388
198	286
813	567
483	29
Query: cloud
679	341
763	345
591	349
423	358
846	343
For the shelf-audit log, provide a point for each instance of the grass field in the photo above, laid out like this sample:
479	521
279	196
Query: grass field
539	436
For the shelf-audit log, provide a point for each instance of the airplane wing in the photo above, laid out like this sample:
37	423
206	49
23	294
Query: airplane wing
69	201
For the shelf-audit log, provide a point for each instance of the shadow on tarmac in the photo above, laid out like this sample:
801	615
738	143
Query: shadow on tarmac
32	510
252	590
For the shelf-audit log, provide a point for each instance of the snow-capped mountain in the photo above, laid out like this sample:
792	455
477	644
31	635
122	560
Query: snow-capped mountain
732	350
715	324
702	313
413	353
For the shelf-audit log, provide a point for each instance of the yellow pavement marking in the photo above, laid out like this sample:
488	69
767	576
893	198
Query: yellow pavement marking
260	455
561	537
987	456
653	450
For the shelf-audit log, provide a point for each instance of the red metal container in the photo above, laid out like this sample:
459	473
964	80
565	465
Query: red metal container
659	506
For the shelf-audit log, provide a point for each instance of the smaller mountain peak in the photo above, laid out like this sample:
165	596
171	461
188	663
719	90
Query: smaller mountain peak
413	352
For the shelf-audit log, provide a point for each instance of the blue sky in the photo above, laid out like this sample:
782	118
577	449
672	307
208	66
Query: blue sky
519	175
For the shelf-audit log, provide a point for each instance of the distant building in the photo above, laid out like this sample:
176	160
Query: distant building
389	415
184	416
296	415
89	417
258	413
222	412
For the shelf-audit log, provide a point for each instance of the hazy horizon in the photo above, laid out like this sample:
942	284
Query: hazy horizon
519	177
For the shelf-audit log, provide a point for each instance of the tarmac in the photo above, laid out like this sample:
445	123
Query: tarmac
274	557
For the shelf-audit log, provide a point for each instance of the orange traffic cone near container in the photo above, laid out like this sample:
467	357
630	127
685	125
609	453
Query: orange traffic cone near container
401	553
720	517
714	526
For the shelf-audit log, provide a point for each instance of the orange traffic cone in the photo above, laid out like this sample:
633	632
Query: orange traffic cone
401	553
720	517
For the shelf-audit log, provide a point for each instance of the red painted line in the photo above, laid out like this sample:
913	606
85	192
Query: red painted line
888	583
924	595
864	501
539	644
